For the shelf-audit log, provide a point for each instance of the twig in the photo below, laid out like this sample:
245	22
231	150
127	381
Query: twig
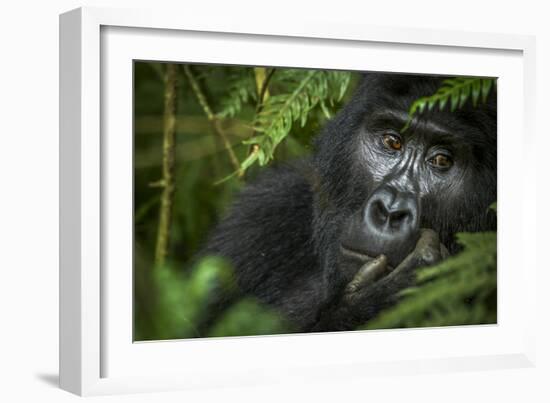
262	78
168	163
201	98
262	81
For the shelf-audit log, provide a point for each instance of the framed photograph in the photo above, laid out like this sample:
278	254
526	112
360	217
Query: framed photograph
246	204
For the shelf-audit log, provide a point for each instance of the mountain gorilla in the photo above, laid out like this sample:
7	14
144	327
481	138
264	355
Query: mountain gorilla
329	241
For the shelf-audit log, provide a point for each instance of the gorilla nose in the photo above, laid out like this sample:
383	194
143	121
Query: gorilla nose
390	223
387	224
391	211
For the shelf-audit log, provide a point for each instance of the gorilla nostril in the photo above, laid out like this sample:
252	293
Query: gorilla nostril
383	216
379	213
397	218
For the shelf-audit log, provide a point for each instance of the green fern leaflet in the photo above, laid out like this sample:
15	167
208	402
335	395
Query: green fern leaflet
241	89
454	91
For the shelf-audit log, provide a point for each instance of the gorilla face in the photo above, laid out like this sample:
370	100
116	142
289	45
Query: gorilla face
383	185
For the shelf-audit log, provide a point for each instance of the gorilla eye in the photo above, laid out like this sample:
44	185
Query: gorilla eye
441	161
392	142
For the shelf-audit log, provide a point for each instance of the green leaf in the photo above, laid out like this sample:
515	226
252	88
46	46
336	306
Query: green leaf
455	96
464	95
459	90
486	88
182	300
421	105
248	318
442	103
242	88
325	110
476	89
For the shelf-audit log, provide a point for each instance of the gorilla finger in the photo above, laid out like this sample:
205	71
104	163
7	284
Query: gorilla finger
428	238
428	248
368	274
409	263
426	253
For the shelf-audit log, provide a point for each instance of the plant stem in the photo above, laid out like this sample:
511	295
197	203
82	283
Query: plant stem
201	98
168	163
262	78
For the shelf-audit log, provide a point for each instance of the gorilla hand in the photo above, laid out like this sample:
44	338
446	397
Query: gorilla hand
377	272
375	285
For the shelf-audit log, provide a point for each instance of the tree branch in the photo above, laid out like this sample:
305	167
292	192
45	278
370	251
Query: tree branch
201	98
168	163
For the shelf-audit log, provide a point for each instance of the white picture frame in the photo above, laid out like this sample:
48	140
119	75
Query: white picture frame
97	355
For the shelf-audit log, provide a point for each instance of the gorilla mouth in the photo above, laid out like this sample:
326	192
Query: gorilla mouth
395	249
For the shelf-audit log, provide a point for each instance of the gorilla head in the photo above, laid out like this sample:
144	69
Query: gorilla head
377	184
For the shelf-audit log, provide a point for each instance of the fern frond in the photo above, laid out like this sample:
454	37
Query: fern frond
454	91
308	89
241	90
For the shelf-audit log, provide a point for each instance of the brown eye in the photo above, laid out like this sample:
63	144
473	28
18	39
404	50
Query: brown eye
441	161
392	142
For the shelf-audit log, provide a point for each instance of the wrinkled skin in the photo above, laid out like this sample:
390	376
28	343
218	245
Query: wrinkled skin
330	241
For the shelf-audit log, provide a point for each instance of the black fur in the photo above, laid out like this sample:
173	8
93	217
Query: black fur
283	232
